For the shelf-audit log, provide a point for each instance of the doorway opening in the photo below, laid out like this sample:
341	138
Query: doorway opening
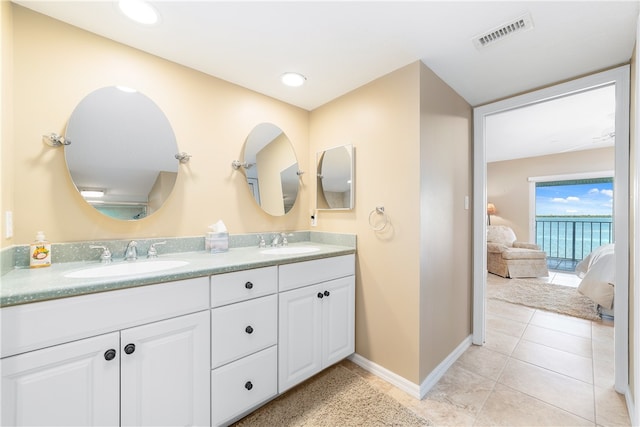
619	79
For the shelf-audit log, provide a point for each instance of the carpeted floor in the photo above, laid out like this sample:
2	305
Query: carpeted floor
537	294
335	397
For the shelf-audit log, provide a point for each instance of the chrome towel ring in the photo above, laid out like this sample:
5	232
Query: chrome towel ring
379	210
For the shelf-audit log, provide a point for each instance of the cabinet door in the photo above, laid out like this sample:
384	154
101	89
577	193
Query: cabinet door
165	372
74	384
338	320
300	323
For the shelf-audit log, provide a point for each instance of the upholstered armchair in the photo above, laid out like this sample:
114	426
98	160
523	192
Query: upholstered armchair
507	257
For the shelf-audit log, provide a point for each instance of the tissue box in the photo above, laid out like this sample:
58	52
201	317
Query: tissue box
216	242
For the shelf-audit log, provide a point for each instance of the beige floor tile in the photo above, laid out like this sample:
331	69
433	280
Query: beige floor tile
505	326
519	313
562	362
509	407
565	279
443	413
562	323
500	342
611	409
555	389
483	361
604	351
603	373
602	331
463	389
558	340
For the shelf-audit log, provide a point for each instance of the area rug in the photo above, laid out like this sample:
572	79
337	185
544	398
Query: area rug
335	397
550	297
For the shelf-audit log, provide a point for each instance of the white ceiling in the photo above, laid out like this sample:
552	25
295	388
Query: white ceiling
341	45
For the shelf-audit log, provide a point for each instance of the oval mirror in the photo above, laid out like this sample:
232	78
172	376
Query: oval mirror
335	178
271	168
122	153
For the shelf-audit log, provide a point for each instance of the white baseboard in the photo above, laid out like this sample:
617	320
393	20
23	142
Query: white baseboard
631	407
415	390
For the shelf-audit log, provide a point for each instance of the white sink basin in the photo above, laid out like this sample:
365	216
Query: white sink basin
289	250
125	268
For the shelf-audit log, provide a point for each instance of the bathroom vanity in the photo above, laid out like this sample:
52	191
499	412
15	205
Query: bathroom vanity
200	344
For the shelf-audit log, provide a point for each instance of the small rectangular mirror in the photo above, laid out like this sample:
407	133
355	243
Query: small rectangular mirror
335	178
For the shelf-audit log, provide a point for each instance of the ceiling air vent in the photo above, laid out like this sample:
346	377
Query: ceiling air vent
518	25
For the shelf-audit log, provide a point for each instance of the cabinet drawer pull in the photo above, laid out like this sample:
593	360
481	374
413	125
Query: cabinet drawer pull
248	330
129	348
248	385
110	354
320	295
326	293
248	285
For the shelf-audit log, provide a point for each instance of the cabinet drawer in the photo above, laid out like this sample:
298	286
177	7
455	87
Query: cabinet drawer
243	285
31	326
243	328
309	272
240	386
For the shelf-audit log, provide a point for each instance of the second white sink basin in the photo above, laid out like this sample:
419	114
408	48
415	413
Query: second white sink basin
125	268
289	250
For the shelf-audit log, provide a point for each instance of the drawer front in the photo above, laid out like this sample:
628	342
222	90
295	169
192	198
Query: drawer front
31	326
243	285
243	328
240	386
306	273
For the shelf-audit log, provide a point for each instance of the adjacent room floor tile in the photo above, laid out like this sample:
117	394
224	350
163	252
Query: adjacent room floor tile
562	362
556	389
558	340
509	407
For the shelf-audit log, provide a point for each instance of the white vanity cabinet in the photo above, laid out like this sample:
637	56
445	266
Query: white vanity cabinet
316	317
138	356
244	337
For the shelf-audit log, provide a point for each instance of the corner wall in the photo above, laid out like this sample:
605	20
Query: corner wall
6	114
445	222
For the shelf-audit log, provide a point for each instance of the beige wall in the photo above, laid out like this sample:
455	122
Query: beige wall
634	191
6	114
445	224
508	185
411	135
381	120
56	65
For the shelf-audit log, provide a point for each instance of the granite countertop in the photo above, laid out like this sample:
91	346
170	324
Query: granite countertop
24	285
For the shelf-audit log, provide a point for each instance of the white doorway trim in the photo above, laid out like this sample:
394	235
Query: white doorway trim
620	77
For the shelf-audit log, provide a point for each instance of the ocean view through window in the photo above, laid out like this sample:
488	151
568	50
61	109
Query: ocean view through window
573	218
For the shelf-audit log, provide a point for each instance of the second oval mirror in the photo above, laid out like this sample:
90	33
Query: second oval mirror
122	153
271	168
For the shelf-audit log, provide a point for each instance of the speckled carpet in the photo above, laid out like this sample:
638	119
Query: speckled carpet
536	294
335	397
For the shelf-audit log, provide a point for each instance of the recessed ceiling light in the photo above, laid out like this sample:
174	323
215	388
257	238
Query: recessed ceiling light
293	79
139	11
126	89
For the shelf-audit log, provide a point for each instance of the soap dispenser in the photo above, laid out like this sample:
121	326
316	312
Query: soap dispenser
40	252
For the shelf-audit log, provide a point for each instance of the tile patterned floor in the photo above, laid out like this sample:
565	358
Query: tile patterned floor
536	369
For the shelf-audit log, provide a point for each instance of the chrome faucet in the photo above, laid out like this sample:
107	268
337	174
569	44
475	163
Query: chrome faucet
279	239
153	251
105	257
131	253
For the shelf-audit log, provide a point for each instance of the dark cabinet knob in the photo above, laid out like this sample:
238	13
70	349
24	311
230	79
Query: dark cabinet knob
248	385
320	295
110	354
129	348
248	285
326	293
248	330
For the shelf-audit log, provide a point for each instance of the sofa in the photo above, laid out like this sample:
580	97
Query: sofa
510	258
